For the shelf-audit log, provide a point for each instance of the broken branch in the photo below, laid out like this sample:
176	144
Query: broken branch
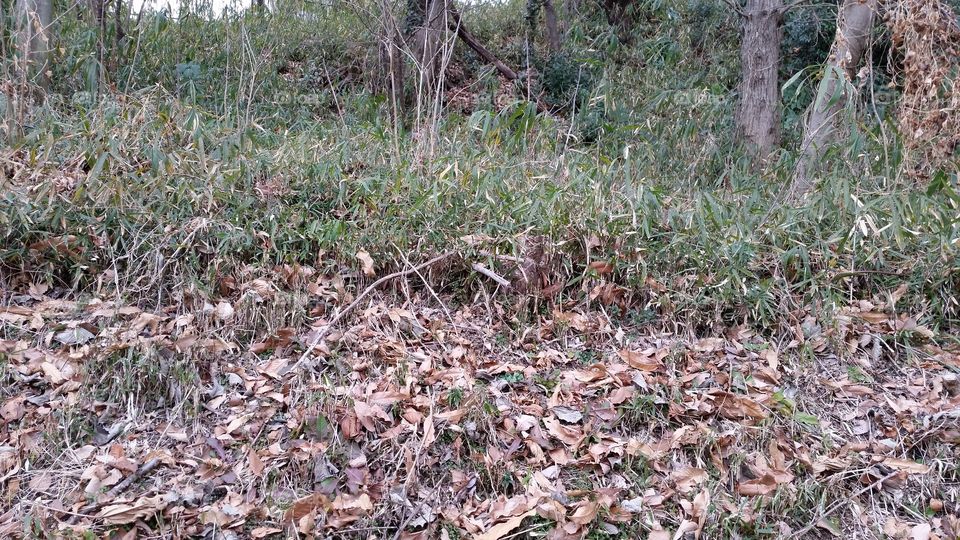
366	292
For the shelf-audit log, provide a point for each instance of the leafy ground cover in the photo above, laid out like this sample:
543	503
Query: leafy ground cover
424	417
631	334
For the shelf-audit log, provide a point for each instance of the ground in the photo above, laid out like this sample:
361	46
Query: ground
432	414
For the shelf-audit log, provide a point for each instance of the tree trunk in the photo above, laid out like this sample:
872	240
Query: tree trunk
34	19
854	26
119	32
758	112
391	62
553	29
427	41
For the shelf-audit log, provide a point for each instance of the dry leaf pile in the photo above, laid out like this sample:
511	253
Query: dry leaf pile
927	33
417	420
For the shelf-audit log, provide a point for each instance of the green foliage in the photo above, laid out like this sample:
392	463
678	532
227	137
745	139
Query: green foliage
566	83
192	171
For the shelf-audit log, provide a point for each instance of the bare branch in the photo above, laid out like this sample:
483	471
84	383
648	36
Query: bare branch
366	292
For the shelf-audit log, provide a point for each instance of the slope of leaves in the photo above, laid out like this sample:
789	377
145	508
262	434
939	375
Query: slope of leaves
422	419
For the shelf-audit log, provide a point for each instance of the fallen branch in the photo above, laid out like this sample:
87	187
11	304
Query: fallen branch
366	292
468	38
491	274
142	471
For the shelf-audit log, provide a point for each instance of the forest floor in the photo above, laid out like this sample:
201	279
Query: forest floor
415	418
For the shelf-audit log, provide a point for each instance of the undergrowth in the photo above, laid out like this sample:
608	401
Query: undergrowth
188	174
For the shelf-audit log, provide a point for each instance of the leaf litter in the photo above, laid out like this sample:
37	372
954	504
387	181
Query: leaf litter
417	421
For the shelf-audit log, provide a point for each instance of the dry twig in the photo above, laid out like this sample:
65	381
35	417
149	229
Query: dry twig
366	292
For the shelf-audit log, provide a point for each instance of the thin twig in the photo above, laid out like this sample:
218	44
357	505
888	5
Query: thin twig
426	284
837	505
366	292
851	273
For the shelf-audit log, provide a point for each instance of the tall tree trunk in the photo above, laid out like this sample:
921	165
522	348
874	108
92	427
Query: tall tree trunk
34	36
391	61
854	26
427	41
119	33
553	29
758	112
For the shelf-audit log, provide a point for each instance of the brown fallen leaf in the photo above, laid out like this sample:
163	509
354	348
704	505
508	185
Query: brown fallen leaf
367	413
907	465
736	407
13	409
567	414
263	532
500	530
123	513
74	336
360	502
601	267
367	262
304	506
585	513
646	360
764	485
687	478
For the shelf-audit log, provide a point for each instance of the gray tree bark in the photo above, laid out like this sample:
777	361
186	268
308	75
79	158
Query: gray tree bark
854	26
34	35
427	41
553	28
758	112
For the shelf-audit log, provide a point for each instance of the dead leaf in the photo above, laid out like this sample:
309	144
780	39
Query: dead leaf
350	502
687	478
74	336
306	505
13	409
907	465
123	513
764	485
567	414
368	413
601	267
263	532
646	360
634	506
500	530
585	513
367	261
921	532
